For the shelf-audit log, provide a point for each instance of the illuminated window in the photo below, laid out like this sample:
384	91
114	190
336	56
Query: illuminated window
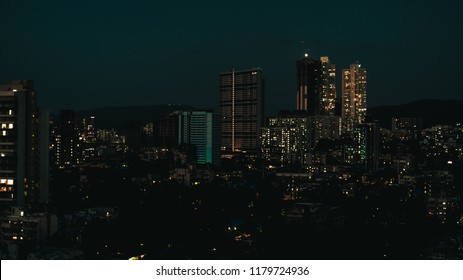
10	126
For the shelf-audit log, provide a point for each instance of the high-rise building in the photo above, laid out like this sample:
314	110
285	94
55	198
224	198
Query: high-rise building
316	86
167	129
309	85
55	143
354	96
366	145
199	128
242	110
285	140
328	96
132	133
24	150
68	138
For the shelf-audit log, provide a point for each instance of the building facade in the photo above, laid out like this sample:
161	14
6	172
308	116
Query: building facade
24	151
328	96
323	127
199	128
309	85
241	110
366	145
316	86
285	140
354	96
69	137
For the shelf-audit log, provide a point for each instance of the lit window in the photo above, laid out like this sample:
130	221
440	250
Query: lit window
10	126
9	182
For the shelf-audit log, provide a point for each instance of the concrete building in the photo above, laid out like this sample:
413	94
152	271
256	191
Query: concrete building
24	146
316	86
354	96
285	140
241	110
199	128
366	145
324	127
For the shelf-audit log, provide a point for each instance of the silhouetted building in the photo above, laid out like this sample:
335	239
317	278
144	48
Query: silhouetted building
20	227
24	153
366	145
439	183
316	86
69	138
354	96
407	128
132	134
242	110
200	128
309	85
167	129
402	167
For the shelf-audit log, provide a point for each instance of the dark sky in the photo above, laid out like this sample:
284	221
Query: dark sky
89	53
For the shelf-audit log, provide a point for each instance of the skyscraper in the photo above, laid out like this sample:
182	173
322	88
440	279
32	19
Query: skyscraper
316	86
68	138
328	94
23	146
199	128
167	129
242	110
354	96
309	85
366	145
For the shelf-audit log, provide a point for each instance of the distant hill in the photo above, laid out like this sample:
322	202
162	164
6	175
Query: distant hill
118	117
432	111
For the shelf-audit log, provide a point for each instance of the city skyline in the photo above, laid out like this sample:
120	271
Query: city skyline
134	48
238	130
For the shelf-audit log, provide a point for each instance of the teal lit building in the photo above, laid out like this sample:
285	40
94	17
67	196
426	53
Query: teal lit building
200	128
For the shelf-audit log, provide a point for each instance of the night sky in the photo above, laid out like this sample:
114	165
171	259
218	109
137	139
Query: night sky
86	54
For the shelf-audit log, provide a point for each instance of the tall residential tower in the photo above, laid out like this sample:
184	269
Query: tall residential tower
24	147
328	96
242	110
354	96
309	85
316	86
